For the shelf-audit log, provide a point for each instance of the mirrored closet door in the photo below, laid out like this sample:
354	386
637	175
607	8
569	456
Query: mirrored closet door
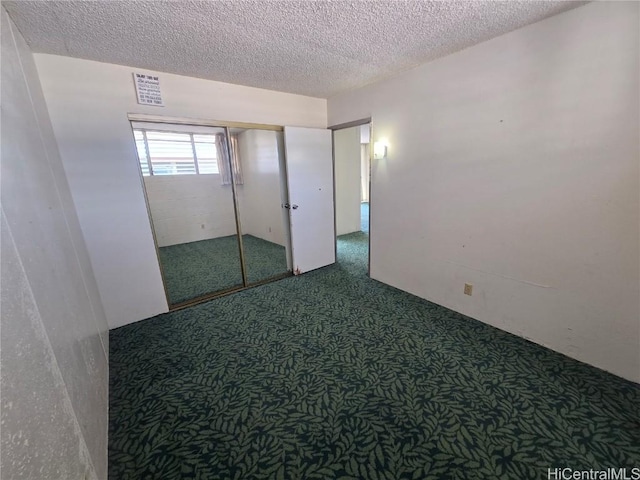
261	193
215	197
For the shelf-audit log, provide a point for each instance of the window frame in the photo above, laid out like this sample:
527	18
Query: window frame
194	155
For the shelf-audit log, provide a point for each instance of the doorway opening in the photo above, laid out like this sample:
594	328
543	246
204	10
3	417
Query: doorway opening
352	177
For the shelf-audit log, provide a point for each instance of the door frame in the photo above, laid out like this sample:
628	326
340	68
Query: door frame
342	126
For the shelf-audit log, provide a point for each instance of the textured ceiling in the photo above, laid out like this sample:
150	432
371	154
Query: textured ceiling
316	48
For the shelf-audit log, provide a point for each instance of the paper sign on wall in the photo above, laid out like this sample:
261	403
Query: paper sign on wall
148	89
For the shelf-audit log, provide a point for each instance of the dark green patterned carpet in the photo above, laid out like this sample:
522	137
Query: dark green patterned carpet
195	269
332	375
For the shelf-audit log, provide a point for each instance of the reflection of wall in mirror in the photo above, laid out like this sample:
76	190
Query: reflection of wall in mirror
188	208
259	196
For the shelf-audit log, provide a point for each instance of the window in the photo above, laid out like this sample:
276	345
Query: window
206	152
175	153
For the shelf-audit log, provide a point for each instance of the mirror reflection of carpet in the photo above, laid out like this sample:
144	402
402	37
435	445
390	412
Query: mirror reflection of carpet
198	268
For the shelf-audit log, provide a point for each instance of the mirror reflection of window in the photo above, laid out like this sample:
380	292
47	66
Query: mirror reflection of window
192	212
190	174
225	171
170	153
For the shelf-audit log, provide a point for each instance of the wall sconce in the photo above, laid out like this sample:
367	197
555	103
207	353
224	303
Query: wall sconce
380	149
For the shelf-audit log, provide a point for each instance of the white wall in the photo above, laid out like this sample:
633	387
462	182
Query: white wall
188	208
347	157
514	165
365	161
365	169
88	103
260	197
54	332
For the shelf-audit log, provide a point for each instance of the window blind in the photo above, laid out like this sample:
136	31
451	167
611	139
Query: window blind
176	153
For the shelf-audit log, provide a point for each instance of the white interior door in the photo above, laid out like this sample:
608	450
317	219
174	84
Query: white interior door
310	185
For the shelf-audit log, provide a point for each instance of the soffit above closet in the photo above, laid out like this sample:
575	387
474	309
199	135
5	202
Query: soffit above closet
315	48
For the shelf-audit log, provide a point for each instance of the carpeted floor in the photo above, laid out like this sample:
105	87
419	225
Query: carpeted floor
195	269
331	375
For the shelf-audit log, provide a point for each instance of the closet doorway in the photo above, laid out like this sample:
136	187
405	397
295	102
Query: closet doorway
214	196
220	207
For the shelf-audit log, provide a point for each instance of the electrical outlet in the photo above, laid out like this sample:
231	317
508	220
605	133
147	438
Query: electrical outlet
468	289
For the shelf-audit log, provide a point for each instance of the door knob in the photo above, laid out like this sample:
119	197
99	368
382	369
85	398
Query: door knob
294	206
288	206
